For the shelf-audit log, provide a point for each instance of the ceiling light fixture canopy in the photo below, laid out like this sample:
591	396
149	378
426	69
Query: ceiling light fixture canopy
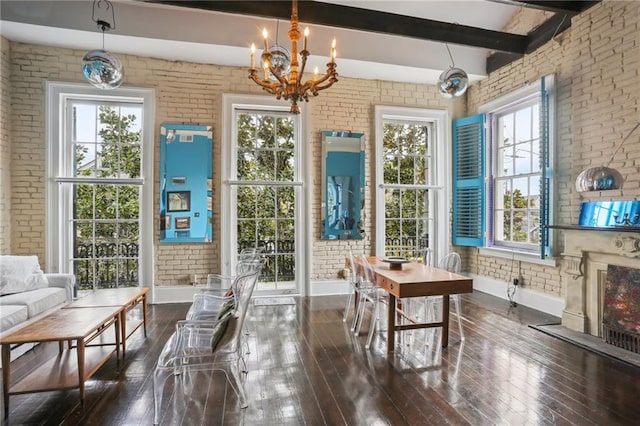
453	82
103	69
282	73
603	178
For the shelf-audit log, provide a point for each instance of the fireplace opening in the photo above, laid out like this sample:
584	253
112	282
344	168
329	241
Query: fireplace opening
621	311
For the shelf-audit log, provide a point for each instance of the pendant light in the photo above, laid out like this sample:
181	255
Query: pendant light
453	82
101	68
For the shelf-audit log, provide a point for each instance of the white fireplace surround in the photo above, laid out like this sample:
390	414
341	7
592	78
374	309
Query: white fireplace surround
587	253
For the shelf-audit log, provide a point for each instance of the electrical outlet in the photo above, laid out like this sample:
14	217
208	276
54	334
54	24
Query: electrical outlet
516	281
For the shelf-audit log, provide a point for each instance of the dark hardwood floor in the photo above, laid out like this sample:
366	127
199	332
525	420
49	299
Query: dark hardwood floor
305	367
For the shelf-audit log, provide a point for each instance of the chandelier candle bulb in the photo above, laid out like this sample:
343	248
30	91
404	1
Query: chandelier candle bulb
306	34
315	74
253	56
333	51
265	66
265	35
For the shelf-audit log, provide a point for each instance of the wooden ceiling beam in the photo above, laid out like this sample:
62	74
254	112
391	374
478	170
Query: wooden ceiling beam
354	18
569	7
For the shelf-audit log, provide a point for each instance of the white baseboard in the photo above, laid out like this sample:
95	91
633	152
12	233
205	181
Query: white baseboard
551	305
329	288
533	299
178	294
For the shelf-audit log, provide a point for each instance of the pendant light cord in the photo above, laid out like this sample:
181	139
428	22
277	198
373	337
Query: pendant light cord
622	143
453	64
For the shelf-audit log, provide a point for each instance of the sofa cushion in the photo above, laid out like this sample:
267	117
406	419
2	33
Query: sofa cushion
20	273
36	301
12	315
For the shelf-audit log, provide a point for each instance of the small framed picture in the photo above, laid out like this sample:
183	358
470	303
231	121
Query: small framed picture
167	222
209	184
209	203
179	201
183	222
178	180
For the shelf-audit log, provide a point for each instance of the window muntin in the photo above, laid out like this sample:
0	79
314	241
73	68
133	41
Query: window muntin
406	168
516	175
265	193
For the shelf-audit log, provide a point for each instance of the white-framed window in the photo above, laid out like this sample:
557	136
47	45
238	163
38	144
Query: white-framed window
503	172
262	190
410	198
99	196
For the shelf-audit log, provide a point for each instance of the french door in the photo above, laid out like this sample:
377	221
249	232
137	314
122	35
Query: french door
265	195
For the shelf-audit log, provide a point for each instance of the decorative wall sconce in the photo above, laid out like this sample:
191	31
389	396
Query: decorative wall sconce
602	178
453	82
101	68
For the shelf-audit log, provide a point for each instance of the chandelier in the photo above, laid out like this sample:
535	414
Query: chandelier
282	73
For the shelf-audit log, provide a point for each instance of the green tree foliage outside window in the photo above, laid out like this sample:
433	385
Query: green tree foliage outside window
106	215
266	214
406	210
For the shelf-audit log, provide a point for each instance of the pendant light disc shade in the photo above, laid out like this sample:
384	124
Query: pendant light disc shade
102	69
453	83
280	61
599	179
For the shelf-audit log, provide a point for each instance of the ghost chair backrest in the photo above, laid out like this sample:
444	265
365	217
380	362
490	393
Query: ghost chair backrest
451	262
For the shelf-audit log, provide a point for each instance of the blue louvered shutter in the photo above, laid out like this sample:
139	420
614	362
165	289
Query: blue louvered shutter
546	163
468	181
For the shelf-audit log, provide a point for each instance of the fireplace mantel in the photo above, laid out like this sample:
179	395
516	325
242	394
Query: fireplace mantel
587	253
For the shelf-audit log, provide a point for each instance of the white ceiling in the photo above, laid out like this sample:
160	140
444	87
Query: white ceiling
182	34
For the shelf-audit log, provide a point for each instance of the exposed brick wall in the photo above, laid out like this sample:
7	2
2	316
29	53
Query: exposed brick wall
350	105
597	68
5	147
527	19
189	92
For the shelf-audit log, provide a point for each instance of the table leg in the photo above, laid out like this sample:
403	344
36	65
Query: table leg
123	330
391	324
144	313
80	353
445	320
118	328
6	377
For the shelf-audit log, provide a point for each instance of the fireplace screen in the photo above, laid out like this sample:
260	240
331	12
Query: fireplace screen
621	314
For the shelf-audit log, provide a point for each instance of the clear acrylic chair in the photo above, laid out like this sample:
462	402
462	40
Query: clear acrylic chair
354	284
369	292
415	310
191	347
207	303
452	263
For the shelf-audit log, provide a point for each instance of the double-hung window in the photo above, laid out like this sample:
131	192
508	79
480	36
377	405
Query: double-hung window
503	172
410	201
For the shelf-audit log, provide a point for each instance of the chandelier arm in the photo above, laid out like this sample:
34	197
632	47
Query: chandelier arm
326	86
269	87
330	73
283	81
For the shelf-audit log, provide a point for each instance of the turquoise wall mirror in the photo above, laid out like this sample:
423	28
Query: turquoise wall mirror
186	183
342	185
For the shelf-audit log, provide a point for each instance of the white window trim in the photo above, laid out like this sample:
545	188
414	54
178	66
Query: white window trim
230	103
441	154
497	104
56	95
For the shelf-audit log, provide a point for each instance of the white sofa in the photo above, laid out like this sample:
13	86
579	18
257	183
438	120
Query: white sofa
26	293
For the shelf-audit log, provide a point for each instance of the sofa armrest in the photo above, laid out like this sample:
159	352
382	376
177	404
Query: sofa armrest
66	281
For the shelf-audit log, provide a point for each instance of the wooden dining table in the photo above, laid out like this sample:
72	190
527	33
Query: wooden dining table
416	280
